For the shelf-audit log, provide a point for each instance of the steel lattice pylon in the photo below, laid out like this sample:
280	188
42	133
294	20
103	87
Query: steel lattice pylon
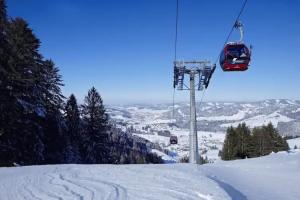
204	71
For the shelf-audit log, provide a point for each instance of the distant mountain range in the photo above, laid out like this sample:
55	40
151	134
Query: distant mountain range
212	116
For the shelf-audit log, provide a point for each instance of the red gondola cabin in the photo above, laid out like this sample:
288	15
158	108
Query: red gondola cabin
173	139
235	57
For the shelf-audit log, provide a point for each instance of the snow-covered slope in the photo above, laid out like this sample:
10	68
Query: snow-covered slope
273	177
260	120
294	142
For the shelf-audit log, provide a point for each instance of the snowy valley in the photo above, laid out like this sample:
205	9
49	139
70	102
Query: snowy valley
64	63
156	123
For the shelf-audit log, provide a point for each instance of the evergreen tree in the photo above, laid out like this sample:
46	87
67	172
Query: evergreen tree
23	61
266	139
3	75
54	139
95	126
243	140
3	42
51	98
22	135
33	129
258	142
72	135
278	143
49	83
240	142
3	19
228	147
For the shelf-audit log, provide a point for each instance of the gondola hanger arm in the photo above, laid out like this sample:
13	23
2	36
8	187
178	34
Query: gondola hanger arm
239	25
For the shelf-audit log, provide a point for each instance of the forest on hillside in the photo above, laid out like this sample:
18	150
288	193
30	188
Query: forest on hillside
38	124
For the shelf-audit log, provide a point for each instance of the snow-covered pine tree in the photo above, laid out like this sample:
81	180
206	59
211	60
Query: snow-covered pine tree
73	137
95	129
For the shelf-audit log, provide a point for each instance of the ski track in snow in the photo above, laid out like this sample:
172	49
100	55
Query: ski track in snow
93	182
258	179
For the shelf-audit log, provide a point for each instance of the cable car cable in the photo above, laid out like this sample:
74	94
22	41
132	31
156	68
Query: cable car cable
173	113
176	39
175	51
233	26
237	19
227	38
176	31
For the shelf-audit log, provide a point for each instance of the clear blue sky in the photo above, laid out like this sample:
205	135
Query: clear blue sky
126	48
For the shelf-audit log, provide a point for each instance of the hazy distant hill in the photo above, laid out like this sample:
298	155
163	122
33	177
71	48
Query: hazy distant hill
213	116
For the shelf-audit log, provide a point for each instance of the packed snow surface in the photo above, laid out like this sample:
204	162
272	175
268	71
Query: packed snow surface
273	177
